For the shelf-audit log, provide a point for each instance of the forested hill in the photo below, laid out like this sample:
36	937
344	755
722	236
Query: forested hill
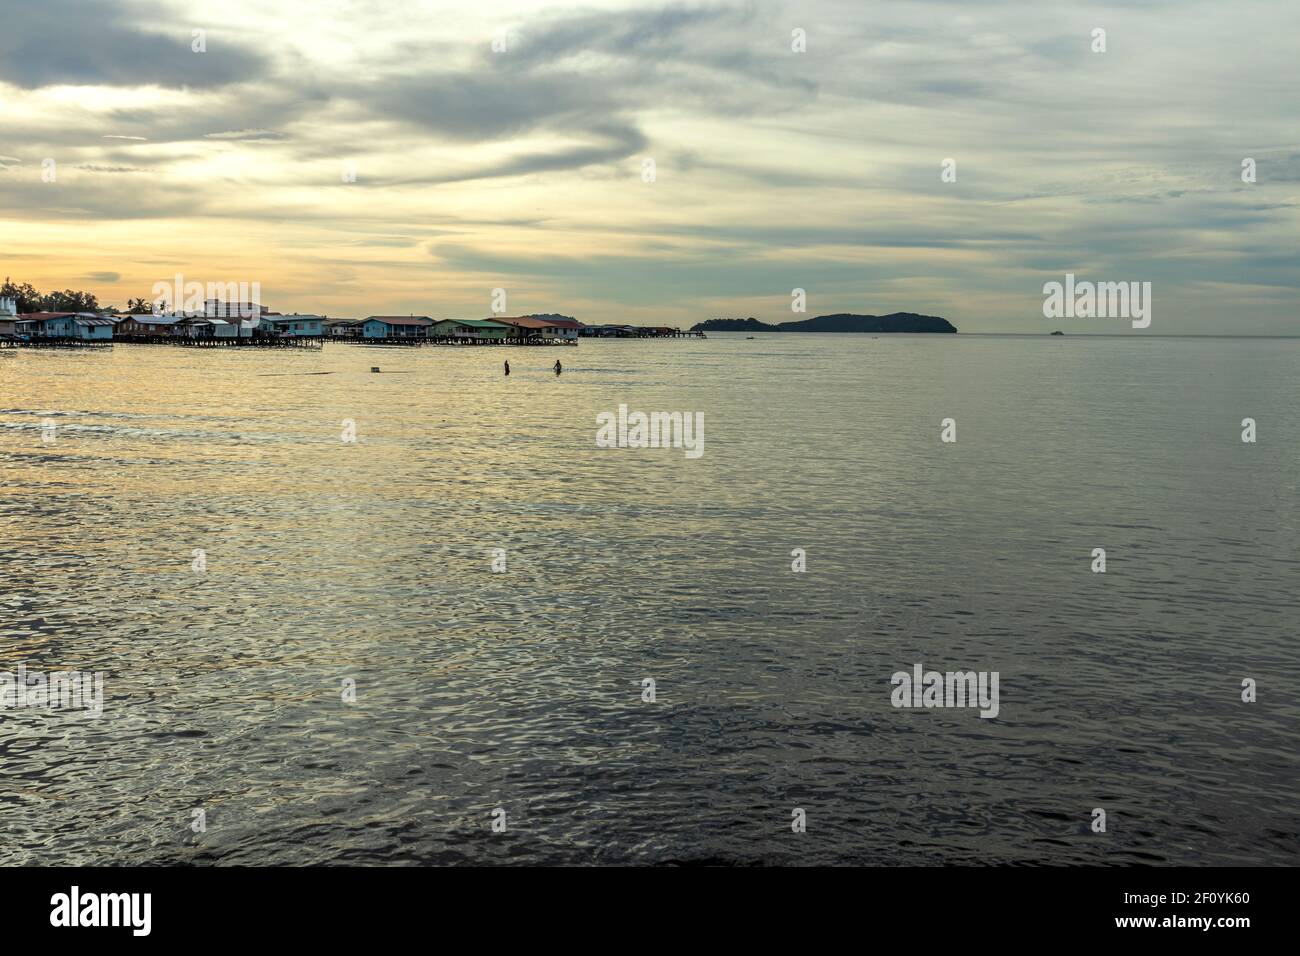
840	322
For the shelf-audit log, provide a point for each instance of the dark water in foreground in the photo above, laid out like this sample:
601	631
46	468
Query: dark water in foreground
371	561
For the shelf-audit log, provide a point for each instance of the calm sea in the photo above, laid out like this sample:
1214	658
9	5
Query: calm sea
336	568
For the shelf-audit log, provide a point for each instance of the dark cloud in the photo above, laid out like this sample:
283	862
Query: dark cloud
672	36
474	105
545	80
112	43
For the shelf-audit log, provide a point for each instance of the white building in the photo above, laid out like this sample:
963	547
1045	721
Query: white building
8	316
206	328
221	309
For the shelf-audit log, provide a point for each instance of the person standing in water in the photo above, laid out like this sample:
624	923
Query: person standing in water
558	369
507	368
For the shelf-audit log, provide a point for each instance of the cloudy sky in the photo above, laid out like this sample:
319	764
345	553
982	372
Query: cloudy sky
524	167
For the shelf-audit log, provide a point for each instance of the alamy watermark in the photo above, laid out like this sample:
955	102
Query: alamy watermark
58	690
922	688
75	908
1101	300
219	299
626	429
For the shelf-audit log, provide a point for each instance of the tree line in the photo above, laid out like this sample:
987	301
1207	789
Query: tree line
69	300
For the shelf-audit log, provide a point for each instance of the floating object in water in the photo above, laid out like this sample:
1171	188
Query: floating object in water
283	374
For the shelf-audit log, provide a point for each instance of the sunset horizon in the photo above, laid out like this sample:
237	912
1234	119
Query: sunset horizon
655	164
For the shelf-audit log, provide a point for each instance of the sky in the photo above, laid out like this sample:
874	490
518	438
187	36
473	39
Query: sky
507	145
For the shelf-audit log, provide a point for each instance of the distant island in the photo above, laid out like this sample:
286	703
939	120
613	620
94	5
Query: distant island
840	322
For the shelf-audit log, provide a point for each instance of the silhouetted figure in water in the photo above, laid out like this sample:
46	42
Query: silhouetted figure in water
558	368
507	368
